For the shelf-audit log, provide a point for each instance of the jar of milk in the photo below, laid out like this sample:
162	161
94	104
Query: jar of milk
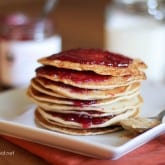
137	28
22	41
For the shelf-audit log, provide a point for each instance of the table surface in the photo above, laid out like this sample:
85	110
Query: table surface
17	154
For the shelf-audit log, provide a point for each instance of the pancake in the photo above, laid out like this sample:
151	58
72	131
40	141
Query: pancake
115	107
99	61
86	121
86	79
37	95
71	131
139	124
37	86
93	113
56	88
86	91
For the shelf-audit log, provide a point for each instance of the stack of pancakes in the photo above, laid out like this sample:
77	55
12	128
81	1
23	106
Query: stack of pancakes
86	91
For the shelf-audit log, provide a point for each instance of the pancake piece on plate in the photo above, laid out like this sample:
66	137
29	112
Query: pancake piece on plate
86	91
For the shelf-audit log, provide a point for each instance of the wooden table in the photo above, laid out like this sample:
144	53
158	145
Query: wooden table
16	155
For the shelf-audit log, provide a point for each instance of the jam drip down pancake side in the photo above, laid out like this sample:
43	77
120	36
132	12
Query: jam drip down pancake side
72	131
83	121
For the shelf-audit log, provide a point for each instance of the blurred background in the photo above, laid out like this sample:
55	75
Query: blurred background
30	29
80	23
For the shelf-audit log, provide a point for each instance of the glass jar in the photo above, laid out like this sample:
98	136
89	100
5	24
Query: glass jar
22	41
137	28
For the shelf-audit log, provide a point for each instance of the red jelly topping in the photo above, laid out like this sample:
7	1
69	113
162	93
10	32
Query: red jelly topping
92	56
75	76
83	119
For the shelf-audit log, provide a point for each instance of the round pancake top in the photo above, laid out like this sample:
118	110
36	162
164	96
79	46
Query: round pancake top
92	56
96	60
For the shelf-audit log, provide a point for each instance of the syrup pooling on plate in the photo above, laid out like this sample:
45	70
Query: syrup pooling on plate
93	56
85	120
76	76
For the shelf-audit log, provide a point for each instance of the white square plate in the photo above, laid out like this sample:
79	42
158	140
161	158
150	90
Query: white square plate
17	119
